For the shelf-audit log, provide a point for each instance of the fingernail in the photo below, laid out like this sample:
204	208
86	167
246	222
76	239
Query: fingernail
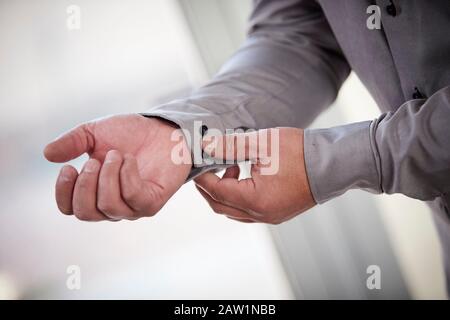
112	156
65	175
91	166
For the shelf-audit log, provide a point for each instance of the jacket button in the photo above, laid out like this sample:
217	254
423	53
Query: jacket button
417	94
391	9
203	130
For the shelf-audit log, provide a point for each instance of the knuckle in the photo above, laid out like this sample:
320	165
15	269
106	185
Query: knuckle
64	210
215	209
133	217
106	207
130	195
216	195
83	216
83	182
80	212
130	215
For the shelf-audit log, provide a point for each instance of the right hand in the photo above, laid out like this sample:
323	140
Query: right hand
130	173
278	188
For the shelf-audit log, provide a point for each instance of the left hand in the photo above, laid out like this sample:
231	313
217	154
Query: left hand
130	173
269	197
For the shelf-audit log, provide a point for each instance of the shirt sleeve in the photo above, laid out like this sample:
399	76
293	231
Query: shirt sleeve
407	152
272	79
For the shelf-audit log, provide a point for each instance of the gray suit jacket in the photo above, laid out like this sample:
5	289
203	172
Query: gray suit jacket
297	55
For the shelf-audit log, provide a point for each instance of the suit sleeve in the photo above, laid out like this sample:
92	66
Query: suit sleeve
407	152
272	80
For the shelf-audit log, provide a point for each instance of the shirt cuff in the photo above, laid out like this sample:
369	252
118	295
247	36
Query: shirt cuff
341	158
194	122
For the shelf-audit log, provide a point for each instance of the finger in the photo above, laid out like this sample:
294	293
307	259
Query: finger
238	193
238	146
70	145
109	200
220	208
65	184
232	172
133	187
85	193
242	220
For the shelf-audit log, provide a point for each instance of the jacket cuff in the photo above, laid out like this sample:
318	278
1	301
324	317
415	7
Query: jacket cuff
341	158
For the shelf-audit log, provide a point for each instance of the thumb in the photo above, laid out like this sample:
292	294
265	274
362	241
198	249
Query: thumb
237	146
70	145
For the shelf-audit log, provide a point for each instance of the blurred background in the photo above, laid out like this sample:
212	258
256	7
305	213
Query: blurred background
65	62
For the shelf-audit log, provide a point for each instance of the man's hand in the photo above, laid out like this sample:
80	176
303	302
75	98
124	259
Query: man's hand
130	173
269	198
